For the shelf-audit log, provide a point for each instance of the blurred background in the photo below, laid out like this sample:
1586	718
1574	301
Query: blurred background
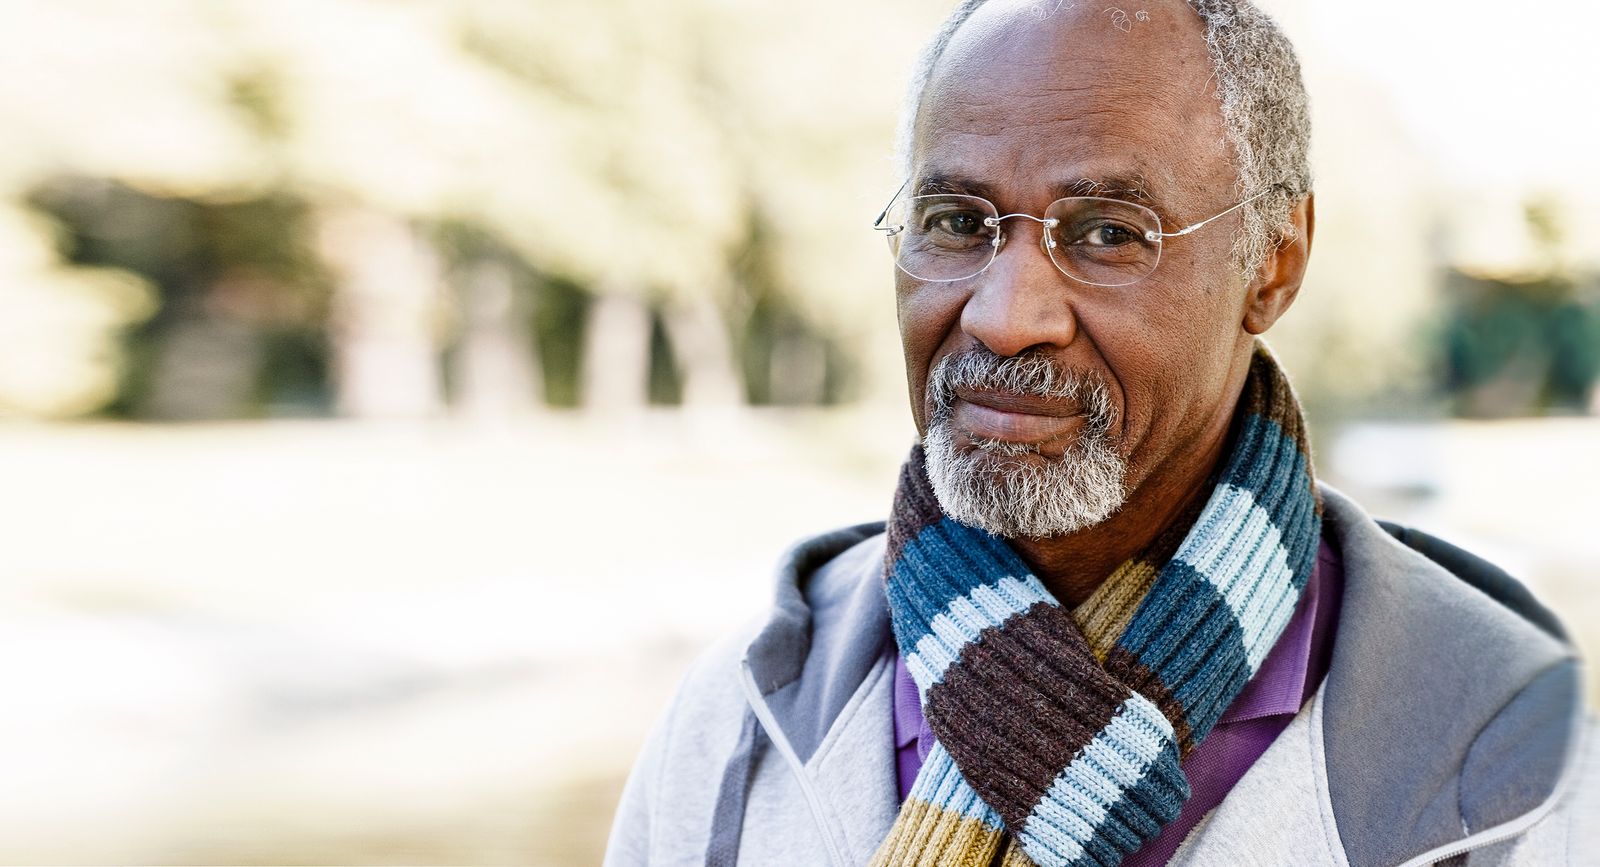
396	396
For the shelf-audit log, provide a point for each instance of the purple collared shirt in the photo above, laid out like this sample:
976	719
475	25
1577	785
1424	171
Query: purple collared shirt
1288	676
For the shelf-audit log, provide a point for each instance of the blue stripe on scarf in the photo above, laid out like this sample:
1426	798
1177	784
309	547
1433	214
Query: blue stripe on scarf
1133	810
1256	468
964	621
1078	815
1197	622
944	562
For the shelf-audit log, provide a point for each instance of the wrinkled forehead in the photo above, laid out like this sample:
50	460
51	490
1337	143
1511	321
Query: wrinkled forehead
1055	92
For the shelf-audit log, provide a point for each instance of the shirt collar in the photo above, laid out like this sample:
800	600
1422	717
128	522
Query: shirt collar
1279	686
907	705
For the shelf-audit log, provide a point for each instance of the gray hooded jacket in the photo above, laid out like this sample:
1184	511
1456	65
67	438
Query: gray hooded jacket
1450	728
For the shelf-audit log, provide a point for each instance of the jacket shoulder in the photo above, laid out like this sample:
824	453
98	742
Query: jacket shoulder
668	803
1570	833
664	814
811	574
1442	667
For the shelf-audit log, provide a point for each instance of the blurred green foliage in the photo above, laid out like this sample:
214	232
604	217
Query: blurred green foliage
620	150
1513	348
238	274
1526	344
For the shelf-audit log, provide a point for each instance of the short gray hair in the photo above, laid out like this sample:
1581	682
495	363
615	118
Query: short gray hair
1264	111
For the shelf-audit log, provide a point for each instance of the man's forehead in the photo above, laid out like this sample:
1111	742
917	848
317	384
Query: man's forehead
1077	98
1074	29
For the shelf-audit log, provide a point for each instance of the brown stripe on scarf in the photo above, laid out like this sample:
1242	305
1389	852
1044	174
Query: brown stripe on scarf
916	506
1009	688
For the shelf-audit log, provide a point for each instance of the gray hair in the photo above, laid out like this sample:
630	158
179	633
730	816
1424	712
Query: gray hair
1264	112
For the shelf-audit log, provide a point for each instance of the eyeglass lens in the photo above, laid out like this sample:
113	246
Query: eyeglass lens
1094	240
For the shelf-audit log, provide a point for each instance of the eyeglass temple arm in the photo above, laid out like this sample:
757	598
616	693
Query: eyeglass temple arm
1187	229
878	223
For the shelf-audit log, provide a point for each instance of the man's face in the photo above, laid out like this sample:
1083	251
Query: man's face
1027	106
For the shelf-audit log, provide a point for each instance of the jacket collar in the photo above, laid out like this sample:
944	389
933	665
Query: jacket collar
1446	713
829	627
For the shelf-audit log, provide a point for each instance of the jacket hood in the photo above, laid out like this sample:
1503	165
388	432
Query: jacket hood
829	626
1452	705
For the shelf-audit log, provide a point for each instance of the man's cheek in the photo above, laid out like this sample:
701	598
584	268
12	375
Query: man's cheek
927	317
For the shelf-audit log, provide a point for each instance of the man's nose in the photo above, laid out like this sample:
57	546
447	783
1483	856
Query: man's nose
1020	301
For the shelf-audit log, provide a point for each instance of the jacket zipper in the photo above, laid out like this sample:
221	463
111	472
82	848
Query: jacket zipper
758	705
1506	830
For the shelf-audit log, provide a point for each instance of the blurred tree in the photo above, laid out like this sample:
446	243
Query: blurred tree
240	297
1523	344
679	196
621	148
59	326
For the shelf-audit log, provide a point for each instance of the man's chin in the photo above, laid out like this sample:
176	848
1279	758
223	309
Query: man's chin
1015	490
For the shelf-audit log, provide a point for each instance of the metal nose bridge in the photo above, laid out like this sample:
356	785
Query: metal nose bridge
1049	223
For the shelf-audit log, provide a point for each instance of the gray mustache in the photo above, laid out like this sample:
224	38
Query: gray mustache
1032	373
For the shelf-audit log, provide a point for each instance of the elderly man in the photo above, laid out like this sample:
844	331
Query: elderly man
1112	618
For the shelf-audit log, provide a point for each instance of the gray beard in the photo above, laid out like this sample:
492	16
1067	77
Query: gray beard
1010	489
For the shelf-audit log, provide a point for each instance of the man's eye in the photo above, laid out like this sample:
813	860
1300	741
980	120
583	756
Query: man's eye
959	223
1108	235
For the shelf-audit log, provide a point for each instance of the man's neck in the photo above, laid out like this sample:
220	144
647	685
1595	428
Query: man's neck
1072	567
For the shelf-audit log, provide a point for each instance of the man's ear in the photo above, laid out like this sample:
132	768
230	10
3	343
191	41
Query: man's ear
1278	281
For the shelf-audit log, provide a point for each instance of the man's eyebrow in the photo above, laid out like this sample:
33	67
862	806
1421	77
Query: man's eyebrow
948	184
1132	187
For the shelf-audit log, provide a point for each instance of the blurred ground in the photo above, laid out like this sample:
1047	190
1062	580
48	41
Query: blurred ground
337	642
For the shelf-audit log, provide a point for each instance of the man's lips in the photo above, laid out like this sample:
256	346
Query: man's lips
1016	418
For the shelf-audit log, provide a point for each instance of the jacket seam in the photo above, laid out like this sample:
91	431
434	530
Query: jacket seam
758	705
825	750
1461	809
667	742
851	708
1319	765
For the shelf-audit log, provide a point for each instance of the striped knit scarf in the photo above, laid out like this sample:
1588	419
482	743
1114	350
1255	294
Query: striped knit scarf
1066	729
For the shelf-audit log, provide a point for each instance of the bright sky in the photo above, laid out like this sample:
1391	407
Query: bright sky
1493	92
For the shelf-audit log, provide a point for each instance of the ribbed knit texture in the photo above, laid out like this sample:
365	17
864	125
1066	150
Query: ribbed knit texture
1061	738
